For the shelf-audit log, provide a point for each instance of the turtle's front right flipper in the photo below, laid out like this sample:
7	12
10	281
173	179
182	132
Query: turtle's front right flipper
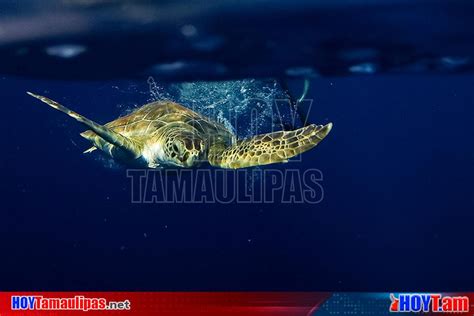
107	134
268	148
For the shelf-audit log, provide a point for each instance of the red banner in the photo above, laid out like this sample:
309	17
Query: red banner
161	303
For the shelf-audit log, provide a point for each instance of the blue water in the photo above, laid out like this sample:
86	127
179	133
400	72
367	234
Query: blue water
397	211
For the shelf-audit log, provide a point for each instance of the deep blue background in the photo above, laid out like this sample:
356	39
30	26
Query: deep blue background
397	214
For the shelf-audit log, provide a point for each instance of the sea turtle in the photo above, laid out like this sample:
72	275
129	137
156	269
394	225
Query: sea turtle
165	133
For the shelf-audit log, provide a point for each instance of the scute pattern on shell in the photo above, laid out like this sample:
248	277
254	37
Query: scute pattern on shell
145	121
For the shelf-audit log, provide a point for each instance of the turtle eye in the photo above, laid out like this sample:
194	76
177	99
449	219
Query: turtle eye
175	148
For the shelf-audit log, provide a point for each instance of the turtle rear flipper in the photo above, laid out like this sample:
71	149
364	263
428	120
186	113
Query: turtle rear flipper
268	148
103	132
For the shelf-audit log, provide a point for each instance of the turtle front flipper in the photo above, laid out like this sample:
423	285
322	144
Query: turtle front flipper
124	144
268	148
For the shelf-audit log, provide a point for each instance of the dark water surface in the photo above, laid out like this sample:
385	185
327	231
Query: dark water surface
227	39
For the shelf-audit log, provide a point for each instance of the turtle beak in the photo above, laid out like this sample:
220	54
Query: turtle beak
189	159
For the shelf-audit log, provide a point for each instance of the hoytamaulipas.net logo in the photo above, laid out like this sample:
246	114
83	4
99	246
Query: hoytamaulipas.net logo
434	303
77	302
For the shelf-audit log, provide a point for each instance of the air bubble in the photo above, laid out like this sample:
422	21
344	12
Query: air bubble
364	68
189	30
65	51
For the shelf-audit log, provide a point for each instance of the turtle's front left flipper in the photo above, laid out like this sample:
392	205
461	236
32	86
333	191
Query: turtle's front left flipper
107	134
268	148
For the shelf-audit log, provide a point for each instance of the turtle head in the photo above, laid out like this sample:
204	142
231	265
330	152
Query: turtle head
185	149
